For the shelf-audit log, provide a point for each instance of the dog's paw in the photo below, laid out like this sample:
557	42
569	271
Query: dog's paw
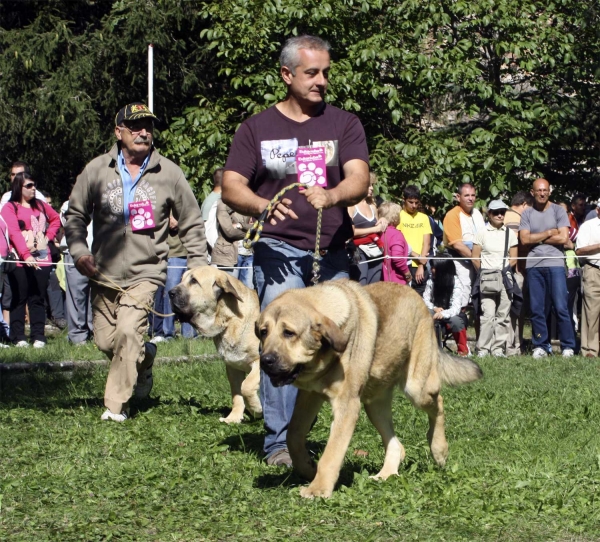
313	491
256	414
231	419
383	475
439	452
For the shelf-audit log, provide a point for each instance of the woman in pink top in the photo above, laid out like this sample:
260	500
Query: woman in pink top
31	225
395	269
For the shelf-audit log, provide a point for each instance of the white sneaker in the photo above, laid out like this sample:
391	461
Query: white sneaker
22	344
482	355
145	381
108	415
539	353
4	345
158	339
499	354
39	344
568	353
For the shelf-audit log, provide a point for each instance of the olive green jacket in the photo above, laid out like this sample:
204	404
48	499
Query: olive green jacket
125	256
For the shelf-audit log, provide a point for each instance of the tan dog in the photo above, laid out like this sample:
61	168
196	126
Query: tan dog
344	343
220	306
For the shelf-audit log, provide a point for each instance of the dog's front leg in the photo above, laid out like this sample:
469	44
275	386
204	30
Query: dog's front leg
345	415
235	377
306	410
250	390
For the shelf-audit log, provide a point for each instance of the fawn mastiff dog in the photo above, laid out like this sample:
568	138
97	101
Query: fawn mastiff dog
220	306
348	344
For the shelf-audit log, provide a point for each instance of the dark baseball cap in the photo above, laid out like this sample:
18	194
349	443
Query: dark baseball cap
134	111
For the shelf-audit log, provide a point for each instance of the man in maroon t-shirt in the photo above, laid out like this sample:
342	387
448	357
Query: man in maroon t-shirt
262	161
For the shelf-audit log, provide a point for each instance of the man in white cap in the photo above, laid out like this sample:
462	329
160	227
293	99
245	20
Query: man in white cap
588	250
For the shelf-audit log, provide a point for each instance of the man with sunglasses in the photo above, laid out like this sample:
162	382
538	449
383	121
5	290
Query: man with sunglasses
545	230
129	194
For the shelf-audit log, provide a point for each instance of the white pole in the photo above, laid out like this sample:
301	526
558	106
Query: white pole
151	77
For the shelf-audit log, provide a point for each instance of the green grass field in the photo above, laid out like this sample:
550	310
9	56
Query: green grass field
524	461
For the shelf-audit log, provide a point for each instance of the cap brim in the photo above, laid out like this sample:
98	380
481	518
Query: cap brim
143	115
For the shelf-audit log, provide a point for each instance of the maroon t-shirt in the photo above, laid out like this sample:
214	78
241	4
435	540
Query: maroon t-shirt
264	151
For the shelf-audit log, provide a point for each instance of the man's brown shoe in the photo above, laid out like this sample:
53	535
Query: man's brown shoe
280	458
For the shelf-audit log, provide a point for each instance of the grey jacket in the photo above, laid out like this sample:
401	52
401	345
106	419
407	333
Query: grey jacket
225	251
124	256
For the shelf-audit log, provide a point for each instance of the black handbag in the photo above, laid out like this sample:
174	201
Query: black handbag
9	263
55	252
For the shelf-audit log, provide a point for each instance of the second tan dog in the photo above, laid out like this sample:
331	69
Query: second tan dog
220	306
347	344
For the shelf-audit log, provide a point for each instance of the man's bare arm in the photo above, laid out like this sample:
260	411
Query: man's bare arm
590	250
461	248
237	194
558	239
350	191
529	239
425	249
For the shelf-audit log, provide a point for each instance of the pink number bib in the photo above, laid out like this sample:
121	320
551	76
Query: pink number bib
141	215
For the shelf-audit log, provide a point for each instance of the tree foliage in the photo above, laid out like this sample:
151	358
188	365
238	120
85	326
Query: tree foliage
490	91
66	67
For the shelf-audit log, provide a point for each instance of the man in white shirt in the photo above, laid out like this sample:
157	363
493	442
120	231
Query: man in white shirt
588	250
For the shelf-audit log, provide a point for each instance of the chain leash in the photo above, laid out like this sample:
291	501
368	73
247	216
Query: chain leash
255	231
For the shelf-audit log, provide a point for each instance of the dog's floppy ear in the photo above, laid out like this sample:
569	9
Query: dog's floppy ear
223	284
331	333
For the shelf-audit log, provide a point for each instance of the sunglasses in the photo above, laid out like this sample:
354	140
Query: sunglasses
29	185
136	129
498	212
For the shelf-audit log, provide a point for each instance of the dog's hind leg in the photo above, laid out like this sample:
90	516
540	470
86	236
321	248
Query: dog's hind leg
235	377
423	385
437	434
250	390
379	412
433	404
307	407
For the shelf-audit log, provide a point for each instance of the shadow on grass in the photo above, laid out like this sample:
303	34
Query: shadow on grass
202	409
43	390
285	477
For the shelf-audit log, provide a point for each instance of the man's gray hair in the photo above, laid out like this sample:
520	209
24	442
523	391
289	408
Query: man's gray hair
290	56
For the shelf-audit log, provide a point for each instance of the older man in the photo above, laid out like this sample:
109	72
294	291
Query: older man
261	162
544	230
130	192
588	250
461	225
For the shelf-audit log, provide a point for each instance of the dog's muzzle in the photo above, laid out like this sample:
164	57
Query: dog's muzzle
178	304
269	363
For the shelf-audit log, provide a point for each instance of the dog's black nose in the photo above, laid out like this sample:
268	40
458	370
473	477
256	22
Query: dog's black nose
268	360
172	293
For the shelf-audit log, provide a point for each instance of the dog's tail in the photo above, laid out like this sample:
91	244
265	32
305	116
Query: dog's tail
455	371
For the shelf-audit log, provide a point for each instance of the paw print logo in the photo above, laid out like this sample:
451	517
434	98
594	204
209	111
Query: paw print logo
141	219
310	174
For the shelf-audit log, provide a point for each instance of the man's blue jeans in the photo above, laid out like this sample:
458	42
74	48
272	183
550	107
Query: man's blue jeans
547	289
165	327
245	276
279	267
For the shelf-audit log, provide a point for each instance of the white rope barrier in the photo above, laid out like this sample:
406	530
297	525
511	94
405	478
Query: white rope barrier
370	260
